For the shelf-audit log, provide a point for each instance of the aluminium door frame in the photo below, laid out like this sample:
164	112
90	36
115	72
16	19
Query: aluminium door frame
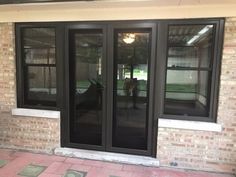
67	100
108	62
152	129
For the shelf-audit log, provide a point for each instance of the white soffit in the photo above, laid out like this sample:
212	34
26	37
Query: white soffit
120	3
116	10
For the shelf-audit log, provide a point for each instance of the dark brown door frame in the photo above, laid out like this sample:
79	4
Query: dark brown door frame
151	125
108	29
66	120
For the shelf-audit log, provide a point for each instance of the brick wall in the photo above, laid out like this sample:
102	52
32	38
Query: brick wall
190	149
28	133
7	67
210	151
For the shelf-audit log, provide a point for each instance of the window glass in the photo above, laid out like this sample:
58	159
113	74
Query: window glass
39	60
130	119
189	67
87	86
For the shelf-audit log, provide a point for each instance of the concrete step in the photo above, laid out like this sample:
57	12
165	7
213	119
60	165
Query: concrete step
108	156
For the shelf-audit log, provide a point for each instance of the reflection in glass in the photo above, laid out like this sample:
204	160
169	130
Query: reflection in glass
40	56
188	70
42	80
86	125
40	66
131	91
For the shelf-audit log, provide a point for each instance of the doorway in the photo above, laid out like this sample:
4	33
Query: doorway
109	87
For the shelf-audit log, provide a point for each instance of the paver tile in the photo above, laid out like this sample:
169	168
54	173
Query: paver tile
13	167
73	173
96	172
32	170
74	161
3	163
114	166
48	175
94	163
134	168
170	173
7	155
58	168
79	167
118	173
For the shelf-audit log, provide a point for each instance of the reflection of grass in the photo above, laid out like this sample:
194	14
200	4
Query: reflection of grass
142	85
184	88
83	84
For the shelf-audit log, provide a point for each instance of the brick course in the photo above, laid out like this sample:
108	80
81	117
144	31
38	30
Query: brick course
210	151
7	67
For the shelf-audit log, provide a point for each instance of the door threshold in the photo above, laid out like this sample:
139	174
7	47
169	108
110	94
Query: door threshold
108	156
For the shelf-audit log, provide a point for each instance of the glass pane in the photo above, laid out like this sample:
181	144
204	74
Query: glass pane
188	75
40	56
39	45
190	46
131	91
86	126
42	85
39	66
187	93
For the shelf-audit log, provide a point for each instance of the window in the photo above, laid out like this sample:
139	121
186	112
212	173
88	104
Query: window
183	79
38	67
191	86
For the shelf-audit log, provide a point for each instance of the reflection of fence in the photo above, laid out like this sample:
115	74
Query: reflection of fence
181	88
42	94
52	91
41	68
184	92
181	91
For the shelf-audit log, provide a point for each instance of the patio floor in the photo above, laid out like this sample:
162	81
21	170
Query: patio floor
18	164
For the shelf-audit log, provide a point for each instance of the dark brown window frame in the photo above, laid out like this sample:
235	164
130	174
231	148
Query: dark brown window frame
162	55
20	65
160	66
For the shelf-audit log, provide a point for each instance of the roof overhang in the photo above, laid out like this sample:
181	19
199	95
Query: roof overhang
41	10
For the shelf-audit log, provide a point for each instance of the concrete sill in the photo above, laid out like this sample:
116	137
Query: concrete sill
35	113
108	156
189	125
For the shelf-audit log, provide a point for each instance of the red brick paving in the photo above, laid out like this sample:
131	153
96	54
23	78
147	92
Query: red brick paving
57	166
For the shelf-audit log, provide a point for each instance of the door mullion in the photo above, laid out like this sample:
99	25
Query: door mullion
110	42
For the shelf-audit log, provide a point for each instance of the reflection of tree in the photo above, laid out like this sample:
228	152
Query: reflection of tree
133	54
40	64
130	56
89	54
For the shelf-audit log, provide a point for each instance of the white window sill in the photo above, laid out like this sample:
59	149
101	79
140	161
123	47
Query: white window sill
189	125
35	113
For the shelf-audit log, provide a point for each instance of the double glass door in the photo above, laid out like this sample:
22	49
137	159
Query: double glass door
109	90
